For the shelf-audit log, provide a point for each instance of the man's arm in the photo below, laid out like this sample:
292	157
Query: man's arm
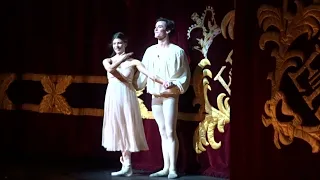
181	76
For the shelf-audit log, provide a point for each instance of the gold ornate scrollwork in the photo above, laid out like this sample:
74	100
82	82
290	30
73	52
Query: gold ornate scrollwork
5	81
290	27
212	118
228	21
54	101
286	131
209	30
313	79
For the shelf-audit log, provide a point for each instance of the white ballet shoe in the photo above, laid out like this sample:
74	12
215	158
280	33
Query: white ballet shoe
126	170
172	174
163	172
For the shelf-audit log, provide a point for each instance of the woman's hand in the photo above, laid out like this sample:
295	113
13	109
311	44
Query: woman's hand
124	56
168	84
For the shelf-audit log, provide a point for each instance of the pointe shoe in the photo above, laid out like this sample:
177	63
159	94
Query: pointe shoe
126	170
163	172
172	174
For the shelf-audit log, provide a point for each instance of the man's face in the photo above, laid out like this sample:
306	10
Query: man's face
160	31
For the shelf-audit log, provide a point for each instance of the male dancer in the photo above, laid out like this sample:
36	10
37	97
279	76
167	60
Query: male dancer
169	62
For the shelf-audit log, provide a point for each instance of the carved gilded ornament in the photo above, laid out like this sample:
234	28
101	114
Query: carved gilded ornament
5	81
54	101
289	27
55	86
209	30
212	118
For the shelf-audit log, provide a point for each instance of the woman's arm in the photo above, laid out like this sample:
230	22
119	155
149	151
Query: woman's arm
111	64
142	69
112	69
119	76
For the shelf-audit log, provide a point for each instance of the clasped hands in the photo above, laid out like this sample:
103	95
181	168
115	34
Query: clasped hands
167	84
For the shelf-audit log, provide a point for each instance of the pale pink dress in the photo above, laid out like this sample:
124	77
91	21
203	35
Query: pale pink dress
122	123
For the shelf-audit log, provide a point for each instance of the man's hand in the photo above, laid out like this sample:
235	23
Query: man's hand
168	84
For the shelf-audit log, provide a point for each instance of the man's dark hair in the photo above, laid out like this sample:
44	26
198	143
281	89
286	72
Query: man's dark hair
169	24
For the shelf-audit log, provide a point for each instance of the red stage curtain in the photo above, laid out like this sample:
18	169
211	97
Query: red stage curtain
69	37
253	153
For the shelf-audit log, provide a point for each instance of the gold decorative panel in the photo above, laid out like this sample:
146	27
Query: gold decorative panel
285	28
5	81
210	30
55	86
211	118
54	102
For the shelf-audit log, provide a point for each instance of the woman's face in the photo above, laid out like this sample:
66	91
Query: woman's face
119	46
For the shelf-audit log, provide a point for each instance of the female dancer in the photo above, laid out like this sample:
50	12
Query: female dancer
122	123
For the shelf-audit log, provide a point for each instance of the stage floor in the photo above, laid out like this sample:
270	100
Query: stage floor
65	172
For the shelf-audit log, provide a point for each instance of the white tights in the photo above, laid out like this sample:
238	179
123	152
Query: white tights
165	112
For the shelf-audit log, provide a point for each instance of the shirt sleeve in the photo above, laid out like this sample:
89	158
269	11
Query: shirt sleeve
140	79
181	72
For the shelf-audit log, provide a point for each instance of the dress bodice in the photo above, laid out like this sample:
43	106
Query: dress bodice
127	72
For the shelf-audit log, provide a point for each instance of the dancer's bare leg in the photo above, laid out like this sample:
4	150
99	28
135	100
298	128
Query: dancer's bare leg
126	169
157	111
170	109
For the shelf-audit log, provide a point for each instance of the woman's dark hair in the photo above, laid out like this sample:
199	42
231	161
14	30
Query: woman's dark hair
118	35
170	25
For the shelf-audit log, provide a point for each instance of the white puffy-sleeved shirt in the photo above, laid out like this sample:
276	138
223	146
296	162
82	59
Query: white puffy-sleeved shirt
170	64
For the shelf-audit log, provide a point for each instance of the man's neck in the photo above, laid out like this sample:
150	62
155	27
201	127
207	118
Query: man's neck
163	43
